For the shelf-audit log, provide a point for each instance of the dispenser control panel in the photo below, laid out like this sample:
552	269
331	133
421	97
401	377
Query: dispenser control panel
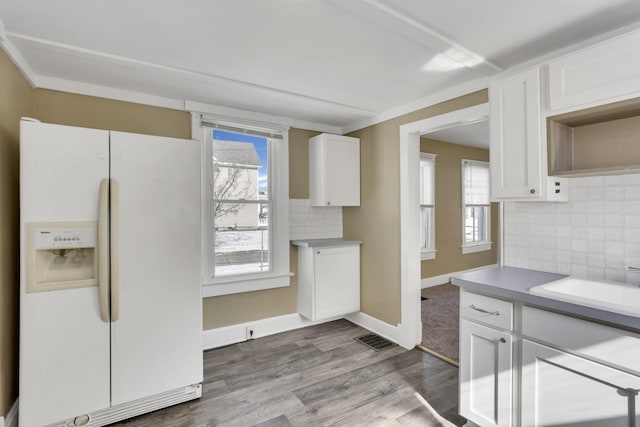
61	255
55	237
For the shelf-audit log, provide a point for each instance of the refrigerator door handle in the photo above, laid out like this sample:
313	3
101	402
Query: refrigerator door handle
115	246
103	249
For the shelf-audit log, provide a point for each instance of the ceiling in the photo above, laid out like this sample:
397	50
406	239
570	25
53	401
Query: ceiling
474	134
332	62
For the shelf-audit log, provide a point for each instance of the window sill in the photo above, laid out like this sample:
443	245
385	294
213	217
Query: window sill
427	255
238	285
477	247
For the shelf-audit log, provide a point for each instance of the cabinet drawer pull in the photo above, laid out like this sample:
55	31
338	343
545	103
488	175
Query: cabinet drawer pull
502	340
482	310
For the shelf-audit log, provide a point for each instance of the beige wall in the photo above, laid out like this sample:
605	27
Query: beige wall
377	220
448	210
87	111
15	101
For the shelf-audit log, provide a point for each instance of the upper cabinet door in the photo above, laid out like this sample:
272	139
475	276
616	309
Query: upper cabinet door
334	170
516	142
606	72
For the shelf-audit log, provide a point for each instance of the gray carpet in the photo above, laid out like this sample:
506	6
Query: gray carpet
440	319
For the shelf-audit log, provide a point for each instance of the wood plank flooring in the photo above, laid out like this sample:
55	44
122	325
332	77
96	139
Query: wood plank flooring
316	376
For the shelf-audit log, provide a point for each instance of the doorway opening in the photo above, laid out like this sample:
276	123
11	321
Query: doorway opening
449	138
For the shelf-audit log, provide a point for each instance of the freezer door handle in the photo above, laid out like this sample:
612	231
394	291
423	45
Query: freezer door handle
103	250
115	246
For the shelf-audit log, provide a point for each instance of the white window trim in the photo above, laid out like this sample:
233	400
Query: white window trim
430	252
427	254
280	274
485	245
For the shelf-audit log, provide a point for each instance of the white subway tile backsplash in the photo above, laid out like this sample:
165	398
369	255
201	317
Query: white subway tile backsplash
633	179
595	235
308	222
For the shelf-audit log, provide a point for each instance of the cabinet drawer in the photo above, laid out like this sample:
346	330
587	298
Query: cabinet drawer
610	345
488	310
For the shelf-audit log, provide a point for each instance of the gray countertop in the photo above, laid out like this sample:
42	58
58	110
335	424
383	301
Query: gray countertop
514	284
316	243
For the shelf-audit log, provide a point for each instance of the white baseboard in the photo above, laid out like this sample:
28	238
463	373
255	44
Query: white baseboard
444	278
219	337
11	419
384	329
227	335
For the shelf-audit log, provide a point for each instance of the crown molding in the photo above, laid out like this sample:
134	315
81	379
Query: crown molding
424	102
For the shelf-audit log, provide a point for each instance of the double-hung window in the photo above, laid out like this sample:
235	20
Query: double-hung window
476	208
245	207
427	206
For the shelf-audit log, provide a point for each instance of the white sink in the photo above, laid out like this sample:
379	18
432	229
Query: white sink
610	296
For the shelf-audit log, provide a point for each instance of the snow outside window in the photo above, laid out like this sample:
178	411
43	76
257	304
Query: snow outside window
245	212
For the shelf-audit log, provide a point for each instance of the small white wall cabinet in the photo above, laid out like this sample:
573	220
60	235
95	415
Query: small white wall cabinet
328	281
334	170
518	141
486	357
599	74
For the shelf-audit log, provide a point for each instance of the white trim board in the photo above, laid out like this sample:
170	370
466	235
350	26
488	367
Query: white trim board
11	419
233	334
410	327
377	326
428	282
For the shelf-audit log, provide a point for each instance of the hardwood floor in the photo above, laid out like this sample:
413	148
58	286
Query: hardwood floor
316	376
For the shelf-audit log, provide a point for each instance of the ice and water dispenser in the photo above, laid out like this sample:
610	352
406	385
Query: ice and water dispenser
61	255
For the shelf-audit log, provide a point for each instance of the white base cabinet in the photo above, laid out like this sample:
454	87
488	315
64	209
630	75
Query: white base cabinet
530	367
578	373
559	388
485	375
328	281
486	359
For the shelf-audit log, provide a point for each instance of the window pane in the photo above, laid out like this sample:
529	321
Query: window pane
240	166
241	238
426	217
476	184
241	203
475	223
426	182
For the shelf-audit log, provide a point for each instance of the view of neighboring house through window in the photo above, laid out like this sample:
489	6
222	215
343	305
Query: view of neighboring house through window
245	188
240	203
427	206
476	214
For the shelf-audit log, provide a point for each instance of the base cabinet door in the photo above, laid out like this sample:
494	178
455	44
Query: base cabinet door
560	389
485	375
329	281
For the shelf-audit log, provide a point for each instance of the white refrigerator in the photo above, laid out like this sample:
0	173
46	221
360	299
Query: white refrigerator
110	295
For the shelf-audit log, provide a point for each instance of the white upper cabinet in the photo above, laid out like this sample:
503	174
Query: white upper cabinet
515	137
334	170
603	73
518	144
